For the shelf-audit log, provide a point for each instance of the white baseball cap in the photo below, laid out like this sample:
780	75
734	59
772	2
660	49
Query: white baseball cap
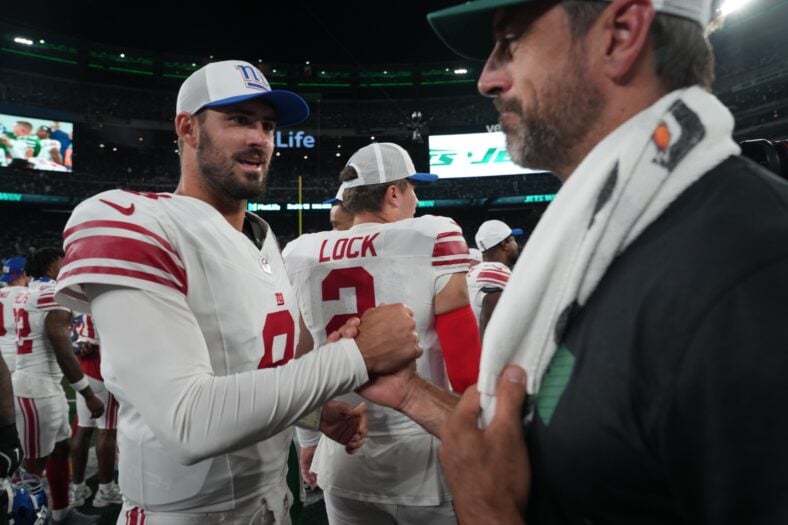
231	81
381	162
467	28
491	233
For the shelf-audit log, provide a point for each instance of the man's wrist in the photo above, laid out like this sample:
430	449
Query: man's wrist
428	404
418	388
81	384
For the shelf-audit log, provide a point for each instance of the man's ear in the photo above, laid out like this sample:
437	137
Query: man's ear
393	195
187	129
626	25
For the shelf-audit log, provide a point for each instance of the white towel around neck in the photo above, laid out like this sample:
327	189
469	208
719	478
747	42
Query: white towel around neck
620	188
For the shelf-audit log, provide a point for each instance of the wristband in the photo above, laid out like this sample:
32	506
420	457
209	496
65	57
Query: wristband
81	385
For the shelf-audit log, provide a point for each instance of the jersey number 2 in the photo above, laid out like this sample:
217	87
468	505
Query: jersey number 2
22	331
357	278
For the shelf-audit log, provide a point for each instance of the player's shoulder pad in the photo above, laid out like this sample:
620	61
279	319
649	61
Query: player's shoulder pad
438	227
120	205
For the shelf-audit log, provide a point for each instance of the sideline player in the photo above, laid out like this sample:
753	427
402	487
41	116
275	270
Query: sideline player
388	256
199	323
487	279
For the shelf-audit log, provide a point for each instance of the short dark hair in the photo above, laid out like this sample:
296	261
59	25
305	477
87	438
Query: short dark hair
682	51
365	198
41	260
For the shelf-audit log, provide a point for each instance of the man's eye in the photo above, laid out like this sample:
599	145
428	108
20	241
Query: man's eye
239	119
269	126
510	40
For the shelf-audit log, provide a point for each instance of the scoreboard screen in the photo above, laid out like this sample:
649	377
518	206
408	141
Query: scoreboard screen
34	143
472	155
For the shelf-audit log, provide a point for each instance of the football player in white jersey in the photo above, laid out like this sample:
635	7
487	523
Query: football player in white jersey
89	356
487	280
44	356
15	277
50	148
199	323
388	256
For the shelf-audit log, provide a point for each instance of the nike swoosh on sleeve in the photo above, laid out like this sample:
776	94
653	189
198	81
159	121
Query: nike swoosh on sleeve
125	210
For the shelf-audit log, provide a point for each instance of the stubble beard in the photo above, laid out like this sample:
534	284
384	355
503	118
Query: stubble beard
218	170
544	136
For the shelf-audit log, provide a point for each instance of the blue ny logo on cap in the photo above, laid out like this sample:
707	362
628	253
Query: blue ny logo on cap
251	77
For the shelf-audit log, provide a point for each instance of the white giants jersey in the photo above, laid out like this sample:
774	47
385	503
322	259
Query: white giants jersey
8	296
182	247
37	372
483	278
339	274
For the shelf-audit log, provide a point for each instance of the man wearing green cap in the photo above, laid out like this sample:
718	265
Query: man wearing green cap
648	307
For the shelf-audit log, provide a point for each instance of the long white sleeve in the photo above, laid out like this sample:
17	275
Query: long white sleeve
159	363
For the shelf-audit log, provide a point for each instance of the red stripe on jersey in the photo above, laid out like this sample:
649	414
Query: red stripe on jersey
496	284
493	276
449	234
451	262
442	249
120	225
46	302
111	270
125	249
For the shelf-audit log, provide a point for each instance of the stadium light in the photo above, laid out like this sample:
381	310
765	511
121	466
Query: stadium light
123	55
42	41
729	6
23	40
460	71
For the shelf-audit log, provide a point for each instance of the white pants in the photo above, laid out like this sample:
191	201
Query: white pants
345	511
268	513
41	423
